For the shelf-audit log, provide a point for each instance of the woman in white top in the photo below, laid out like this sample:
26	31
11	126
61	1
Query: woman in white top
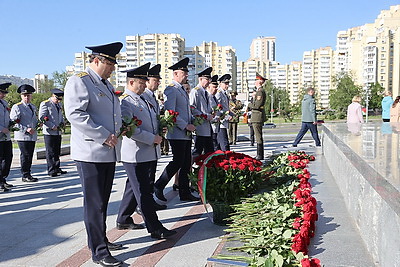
354	113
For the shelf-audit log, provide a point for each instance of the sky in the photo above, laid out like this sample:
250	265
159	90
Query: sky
41	36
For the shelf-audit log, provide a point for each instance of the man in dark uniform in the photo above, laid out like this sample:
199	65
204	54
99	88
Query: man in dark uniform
177	99
258	114
6	154
93	109
139	154
200	105
25	114
50	113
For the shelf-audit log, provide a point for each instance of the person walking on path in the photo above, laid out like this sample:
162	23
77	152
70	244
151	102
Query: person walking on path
139	155
92	107
6	153
25	114
308	118
180	139
386	104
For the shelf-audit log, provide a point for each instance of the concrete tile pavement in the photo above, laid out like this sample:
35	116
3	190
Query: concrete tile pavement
42	222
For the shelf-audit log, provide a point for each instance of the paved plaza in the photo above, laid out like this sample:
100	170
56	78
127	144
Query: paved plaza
42	223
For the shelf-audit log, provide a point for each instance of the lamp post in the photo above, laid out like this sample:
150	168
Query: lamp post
272	102
367	91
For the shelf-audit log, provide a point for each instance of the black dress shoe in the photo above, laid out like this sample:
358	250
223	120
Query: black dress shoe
61	172
138	210
129	226
113	246
29	179
159	194
109	261
54	174
3	189
189	197
162	233
175	187
159	206
7	185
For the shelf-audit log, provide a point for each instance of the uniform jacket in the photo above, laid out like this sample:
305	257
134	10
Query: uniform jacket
200	104
4	120
94	113
235	107
176	98
258	106
28	119
140	147
386	103
55	117
308	112
151	98
223	99
215	122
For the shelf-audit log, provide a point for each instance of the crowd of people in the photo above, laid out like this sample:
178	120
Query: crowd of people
107	127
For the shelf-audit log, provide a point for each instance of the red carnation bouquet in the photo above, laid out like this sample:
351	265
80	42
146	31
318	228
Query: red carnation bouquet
118	93
217	108
129	126
199	119
12	127
40	123
167	120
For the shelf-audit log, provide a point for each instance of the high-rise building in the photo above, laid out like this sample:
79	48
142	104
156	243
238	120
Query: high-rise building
164	49
39	78
371	52
246	76
318	69
221	58
263	48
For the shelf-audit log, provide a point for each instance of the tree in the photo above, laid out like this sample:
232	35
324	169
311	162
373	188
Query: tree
46	86
60	79
341	96
375	97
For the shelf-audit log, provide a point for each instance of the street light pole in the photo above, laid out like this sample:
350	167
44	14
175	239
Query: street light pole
366	88
272	102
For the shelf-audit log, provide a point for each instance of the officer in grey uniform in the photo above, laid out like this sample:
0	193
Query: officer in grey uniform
200	105
177	99
223	99
93	109
215	122
6	154
50	113
25	114
139	155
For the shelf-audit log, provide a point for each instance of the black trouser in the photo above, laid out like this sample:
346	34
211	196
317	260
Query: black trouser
223	139
215	141
182	161
6	156
233	132
27	148
138	190
251	134
96	180
202	145
305	126
257	126
53	150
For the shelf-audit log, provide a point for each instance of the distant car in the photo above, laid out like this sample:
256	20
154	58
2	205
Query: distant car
269	125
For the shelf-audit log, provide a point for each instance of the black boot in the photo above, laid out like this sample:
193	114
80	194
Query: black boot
260	152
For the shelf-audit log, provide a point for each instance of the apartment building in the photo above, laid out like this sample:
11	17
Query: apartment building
263	48
246	76
39	78
317	70
371	52
221	58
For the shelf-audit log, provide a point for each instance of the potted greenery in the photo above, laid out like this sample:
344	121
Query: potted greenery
224	178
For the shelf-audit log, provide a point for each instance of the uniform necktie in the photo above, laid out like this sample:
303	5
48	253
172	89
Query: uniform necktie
29	105
58	108
103	81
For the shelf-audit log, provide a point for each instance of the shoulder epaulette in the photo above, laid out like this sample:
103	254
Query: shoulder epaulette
19	103
47	100
82	74
196	88
171	84
123	96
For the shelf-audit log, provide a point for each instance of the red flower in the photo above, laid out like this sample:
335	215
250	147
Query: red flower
118	93
17	121
46	118
310	263
8	109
